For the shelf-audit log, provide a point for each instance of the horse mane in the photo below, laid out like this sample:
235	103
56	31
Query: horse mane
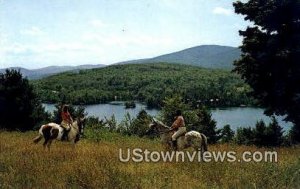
77	122
162	124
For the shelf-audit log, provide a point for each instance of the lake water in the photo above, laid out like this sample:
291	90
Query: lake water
235	117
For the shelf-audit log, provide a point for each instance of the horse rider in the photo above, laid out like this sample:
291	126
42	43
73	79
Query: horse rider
66	121
179	127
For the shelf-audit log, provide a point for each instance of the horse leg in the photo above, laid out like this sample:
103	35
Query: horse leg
204	143
45	142
47	135
49	144
73	145
37	139
77	138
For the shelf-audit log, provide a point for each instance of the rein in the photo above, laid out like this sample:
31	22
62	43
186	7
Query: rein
164	132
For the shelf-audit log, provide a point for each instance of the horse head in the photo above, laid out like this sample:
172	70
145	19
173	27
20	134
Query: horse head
157	126
79	123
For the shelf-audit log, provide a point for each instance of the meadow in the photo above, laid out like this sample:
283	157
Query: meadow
94	163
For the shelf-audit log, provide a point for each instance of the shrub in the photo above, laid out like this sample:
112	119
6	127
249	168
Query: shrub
93	128
274	134
195	119
262	135
227	134
244	136
208	126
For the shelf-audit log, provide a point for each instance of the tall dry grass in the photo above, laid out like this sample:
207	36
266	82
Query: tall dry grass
96	165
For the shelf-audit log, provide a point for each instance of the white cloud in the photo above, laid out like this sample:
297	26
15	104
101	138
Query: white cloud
222	11
33	31
93	47
97	23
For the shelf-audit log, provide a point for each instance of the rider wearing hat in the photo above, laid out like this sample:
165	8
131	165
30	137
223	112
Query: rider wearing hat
178	126
66	121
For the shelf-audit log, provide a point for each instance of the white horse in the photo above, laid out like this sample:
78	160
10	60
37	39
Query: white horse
190	139
53	131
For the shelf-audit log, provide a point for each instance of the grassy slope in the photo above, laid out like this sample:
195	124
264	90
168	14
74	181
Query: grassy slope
96	164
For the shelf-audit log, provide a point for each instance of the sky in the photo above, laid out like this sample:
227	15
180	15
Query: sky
40	33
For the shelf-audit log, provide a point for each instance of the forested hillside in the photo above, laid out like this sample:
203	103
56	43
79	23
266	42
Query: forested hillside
149	83
50	70
206	56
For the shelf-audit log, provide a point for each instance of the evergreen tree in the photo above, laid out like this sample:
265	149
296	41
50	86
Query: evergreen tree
244	136
274	133
208	126
170	105
19	106
271	54
74	112
140	124
260	137
227	134
198	120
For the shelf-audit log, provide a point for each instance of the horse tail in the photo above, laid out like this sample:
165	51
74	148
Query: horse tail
40	136
37	139
204	142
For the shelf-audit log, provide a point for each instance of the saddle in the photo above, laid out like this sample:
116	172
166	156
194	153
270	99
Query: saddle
174	143
181	134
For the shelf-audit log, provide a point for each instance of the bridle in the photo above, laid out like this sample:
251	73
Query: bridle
79	126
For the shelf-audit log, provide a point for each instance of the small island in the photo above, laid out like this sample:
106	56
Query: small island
129	104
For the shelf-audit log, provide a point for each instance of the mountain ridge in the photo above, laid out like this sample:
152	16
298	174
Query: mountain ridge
51	70
206	56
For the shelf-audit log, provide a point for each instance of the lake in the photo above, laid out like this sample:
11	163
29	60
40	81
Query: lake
235	116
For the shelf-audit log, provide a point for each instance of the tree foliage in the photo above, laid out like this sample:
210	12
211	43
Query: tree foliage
198	119
150	83
208	126
227	134
75	112
271	54
137	126
170	106
261	135
244	135
19	106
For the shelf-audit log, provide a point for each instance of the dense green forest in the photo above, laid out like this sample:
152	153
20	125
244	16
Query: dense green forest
149	83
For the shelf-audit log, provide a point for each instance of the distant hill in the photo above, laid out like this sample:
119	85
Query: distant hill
149	83
207	56
50	70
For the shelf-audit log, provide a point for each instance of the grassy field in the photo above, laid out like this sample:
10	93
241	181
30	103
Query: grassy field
95	164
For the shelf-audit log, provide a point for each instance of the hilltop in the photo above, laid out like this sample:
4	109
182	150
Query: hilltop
50	70
206	56
149	83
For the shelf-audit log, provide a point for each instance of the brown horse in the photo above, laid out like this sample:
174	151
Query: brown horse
53	131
